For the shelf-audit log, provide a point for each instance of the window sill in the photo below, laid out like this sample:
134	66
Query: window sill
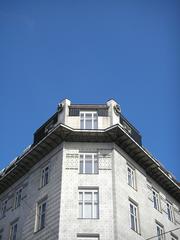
88	218
39	230
136	232
42	187
88	173
135	189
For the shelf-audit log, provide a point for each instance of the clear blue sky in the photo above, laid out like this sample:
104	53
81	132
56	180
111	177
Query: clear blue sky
90	51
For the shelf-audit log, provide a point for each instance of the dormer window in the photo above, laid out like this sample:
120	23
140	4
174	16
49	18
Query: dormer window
88	120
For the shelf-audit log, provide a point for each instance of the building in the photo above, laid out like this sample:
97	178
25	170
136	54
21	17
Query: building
87	177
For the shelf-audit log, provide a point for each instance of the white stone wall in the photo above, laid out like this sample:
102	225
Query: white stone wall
147	214
27	211
71	225
62	192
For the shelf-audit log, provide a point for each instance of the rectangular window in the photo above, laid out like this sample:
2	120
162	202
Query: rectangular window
88	203
169	211
4	208
88	120
18	197
41	215
88	163
13	231
134	217
160	232
131	177
156	200
44	176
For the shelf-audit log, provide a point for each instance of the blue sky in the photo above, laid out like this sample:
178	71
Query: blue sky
89	52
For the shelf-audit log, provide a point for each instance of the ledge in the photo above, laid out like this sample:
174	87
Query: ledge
114	134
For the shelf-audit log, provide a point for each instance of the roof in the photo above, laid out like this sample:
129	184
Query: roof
115	134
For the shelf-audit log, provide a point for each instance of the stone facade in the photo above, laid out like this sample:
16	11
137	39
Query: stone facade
61	193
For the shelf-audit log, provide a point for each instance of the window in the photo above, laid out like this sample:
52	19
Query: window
160	232
156	200
18	197
41	215
45	176
88	163
131	177
88	120
134	217
13	231
4	208
88	203
169	211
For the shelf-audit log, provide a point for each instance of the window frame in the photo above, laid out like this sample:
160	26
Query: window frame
40	214
18	197
93	118
4	207
132	175
156	200
12	229
84	163
44	176
91	202
161	228
170	213
135	216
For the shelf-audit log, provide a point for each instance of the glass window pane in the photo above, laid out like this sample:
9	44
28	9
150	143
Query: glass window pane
81	167
80	210
95	124
96	167
88	157
43	220
88	166
88	196
132	222
82	124
88	210
89	115
96	197
43	207
88	124
96	211
80	196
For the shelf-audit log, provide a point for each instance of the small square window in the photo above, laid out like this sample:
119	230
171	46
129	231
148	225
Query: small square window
88	163
44	176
